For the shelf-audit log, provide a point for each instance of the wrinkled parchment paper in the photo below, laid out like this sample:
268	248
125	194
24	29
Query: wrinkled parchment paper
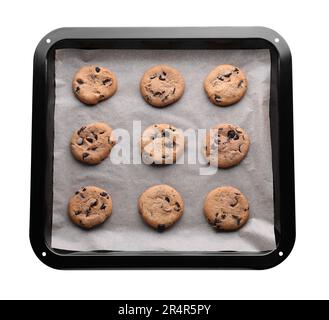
125	229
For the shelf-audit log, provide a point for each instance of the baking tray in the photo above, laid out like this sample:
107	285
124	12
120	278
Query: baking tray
216	38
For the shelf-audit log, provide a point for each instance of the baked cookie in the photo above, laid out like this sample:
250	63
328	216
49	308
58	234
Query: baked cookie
225	85
160	206
162	85
161	144
226	145
226	208
92	84
89	207
92	143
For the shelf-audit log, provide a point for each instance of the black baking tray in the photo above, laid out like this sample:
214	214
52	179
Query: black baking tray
281	127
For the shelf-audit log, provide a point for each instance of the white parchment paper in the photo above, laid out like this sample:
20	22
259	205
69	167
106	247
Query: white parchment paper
125	230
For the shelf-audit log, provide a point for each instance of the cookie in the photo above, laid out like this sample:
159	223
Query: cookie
225	85
162	85
160	206
92	84
226	208
92	143
226	145
161	144
89	207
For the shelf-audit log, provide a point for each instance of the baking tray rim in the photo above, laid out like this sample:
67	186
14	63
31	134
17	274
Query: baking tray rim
164	260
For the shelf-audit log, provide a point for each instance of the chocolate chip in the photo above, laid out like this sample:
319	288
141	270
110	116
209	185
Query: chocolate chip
82	196
240	83
238	219
96	136
88	212
89	140
94	203
231	134
77	192
79	81
77	89
218	98
80	141
103	206
93	148
103	194
235	202
85	155
161	77
77	212
236	70
97	69
164	73
153	76
221	78
227	75
107	81
161	227
166	133
218	226
167	199
165	97
173	92
81	129
223	216
84	189
177	206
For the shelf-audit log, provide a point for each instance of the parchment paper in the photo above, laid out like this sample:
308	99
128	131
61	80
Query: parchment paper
125	229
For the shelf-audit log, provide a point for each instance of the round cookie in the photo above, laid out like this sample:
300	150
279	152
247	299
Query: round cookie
161	144
225	85
92	143
162	85
226	145
89	207
226	208
160	206
92	84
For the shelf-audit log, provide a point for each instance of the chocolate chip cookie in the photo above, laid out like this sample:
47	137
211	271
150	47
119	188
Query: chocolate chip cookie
225	85
162	85
161	144
92	84
226	208
226	145
89	207
92	143
160	206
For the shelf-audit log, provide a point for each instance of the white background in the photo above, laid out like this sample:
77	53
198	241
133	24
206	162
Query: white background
304	274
